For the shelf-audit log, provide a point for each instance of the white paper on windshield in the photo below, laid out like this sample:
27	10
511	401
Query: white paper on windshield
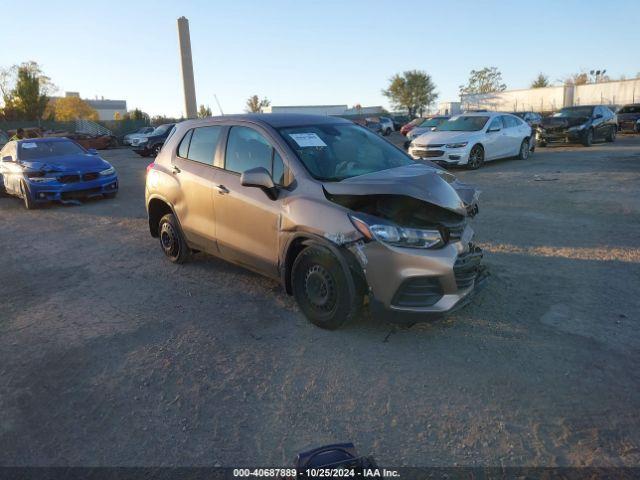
307	140
29	145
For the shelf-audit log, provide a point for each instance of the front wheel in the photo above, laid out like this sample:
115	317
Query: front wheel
156	150
321	289
524	150
611	137
588	138
172	240
476	158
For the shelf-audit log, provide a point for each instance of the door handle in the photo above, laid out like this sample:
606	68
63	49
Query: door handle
175	170
222	190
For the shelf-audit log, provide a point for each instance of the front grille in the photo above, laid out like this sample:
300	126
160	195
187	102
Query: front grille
428	153
467	267
69	178
80	194
90	176
455	232
418	292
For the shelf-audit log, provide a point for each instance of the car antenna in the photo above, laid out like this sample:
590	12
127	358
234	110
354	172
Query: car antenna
219	107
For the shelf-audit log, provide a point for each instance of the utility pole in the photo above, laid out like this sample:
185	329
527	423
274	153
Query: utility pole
186	63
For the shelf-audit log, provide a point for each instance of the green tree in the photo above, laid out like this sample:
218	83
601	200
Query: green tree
255	105
412	90
487	80
25	91
204	112
541	81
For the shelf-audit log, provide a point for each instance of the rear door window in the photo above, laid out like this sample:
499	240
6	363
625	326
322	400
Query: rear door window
183	149
203	144
496	124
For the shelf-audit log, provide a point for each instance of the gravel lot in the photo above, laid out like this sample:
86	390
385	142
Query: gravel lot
110	355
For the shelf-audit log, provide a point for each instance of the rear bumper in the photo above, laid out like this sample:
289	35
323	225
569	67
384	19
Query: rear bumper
54	191
422	281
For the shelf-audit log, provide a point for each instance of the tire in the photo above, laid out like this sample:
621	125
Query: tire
524	150
321	289
387	132
542	143
611	137
476	157
588	138
172	240
156	150
113	143
26	197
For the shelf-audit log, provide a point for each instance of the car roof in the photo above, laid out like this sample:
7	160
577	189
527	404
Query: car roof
275	120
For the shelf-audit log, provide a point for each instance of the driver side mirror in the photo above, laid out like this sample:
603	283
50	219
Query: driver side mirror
259	177
494	129
8	158
92	151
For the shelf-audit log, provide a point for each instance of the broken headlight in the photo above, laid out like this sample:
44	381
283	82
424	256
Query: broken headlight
40	179
397	236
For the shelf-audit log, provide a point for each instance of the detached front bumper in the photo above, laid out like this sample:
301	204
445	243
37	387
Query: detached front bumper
57	191
561	136
422	281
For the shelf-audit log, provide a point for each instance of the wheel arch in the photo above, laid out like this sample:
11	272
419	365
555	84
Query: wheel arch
301	240
158	207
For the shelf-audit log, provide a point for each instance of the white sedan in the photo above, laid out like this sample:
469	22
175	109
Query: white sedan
473	138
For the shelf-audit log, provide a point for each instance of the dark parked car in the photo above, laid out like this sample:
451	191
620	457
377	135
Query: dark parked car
629	118
583	124
532	118
152	143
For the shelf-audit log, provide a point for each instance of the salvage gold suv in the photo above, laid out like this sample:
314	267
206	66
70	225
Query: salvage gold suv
333	211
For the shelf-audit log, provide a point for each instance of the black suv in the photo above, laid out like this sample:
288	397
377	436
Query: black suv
583	124
152	143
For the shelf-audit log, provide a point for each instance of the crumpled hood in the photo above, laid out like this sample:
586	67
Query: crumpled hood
68	163
420	181
437	137
563	122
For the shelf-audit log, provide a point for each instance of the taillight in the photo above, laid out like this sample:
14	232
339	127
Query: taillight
150	166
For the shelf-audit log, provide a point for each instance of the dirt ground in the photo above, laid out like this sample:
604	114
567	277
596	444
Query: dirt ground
110	355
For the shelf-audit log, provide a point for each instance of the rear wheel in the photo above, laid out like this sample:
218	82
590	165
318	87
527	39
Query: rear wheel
26	197
476	157
588	138
524	150
172	240
321	289
611	136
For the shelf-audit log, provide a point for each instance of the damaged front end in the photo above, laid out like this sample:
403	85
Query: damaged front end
416	247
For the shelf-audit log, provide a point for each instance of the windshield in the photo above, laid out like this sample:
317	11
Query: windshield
335	152
161	129
463	124
630	109
39	150
574	112
432	122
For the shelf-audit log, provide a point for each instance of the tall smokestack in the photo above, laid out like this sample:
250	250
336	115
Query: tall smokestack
187	68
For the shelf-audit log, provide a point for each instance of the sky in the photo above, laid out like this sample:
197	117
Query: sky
308	52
